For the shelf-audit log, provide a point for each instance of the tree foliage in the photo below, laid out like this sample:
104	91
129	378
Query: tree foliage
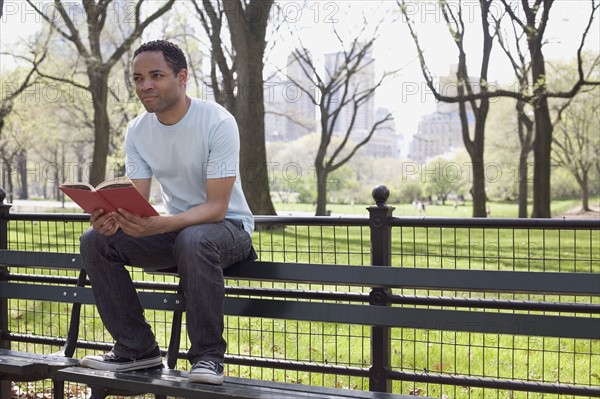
577	138
533	24
13	148
98	57
532	19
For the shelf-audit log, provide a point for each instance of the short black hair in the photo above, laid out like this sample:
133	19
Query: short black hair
174	57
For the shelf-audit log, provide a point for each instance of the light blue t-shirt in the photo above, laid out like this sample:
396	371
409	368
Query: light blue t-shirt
203	145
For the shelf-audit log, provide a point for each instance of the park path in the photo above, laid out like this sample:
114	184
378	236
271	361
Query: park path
577	213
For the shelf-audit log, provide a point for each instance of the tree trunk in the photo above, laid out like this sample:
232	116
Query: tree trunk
478	187
542	148
523	184
525	129
99	93
542	144
57	177
321	175
585	191
22	169
8	183
249	115
479	194
248	38
475	150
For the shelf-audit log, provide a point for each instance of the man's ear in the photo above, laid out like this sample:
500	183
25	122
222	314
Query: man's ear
182	76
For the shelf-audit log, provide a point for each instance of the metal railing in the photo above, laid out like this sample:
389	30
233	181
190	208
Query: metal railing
443	361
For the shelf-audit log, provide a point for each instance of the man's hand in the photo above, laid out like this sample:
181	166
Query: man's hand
218	192
137	226
104	222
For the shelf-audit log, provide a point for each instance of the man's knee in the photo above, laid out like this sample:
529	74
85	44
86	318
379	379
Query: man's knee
195	237
90	243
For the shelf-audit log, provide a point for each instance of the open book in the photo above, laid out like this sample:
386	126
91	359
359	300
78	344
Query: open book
109	195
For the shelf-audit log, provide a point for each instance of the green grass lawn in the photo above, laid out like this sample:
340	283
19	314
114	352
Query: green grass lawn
497	209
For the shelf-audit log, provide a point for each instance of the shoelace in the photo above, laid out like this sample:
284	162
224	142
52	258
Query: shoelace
205	364
109	356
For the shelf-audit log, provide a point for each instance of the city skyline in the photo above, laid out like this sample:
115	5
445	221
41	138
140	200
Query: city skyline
291	112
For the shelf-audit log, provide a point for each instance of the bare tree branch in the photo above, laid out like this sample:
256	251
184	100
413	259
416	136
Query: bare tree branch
340	93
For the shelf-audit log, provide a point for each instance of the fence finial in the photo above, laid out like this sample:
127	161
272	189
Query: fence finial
380	195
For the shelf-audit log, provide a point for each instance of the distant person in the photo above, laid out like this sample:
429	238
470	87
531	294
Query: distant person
192	148
421	208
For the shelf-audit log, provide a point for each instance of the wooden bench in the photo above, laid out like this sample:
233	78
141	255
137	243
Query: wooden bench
371	308
169	381
25	366
174	383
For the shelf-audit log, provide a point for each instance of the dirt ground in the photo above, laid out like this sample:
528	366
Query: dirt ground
577	213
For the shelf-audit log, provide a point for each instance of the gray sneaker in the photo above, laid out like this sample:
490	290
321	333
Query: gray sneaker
112	362
206	372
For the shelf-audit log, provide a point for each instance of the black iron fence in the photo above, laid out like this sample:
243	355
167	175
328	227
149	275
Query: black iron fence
491	359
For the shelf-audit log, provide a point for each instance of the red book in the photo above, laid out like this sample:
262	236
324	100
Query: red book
109	195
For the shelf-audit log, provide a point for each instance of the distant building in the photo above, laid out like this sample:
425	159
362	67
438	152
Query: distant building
362	80
290	113
275	109
401	149
301	109
384	142
440	132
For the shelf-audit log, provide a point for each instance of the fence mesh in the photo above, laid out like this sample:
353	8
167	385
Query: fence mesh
518	357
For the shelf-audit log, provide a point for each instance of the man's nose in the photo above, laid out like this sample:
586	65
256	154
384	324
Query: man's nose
146	85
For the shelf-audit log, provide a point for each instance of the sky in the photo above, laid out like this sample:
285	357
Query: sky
312	23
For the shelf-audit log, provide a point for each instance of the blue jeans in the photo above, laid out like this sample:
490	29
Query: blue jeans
199	252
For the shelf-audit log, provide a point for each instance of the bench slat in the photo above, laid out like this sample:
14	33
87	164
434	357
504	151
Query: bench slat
55	260
31	366
174	383
21	367
435	319
69	294
366	276
420	318
84	295
419	278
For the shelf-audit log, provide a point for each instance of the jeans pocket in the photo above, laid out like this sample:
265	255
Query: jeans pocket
241	246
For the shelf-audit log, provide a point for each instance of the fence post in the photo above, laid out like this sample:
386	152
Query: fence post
5	386
381	252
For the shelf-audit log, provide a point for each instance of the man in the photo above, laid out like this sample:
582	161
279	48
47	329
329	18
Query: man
192	148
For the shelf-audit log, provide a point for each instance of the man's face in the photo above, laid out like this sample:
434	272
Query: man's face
157	87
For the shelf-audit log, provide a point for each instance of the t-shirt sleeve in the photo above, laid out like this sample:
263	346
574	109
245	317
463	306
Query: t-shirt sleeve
224	150
135	166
